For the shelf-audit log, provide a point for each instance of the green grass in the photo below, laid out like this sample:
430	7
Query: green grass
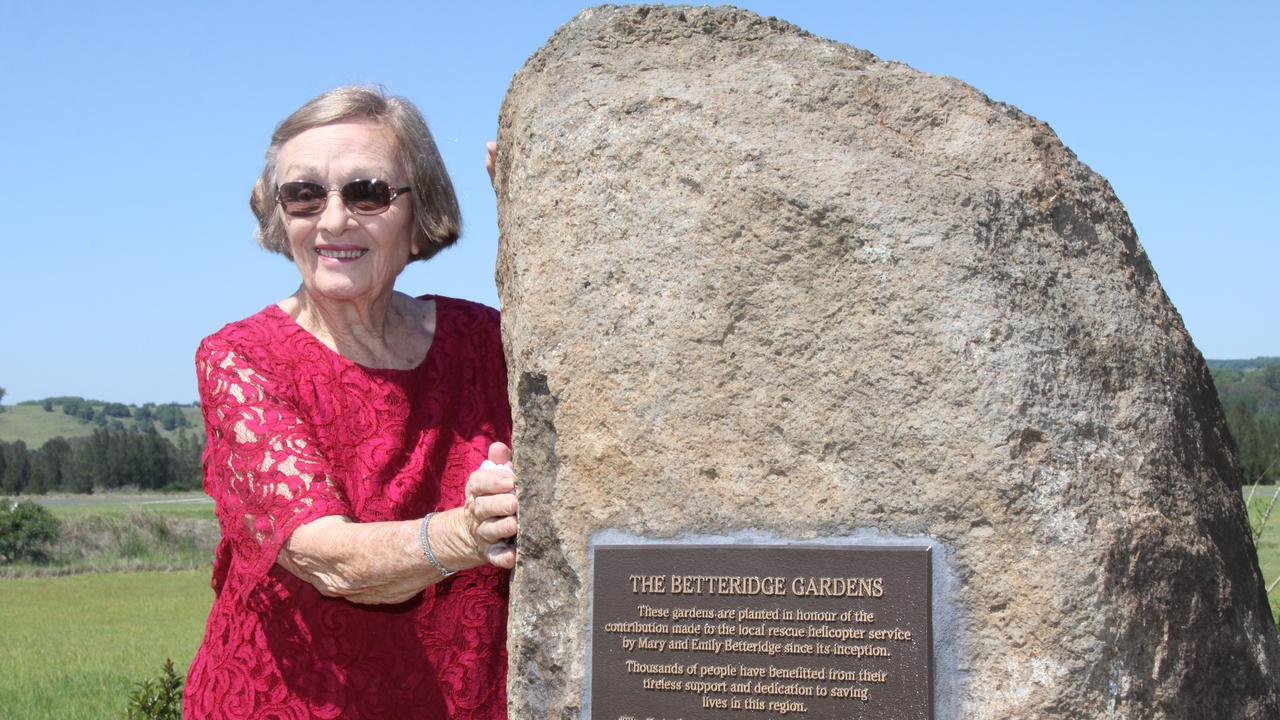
33	426
72	647
1268	543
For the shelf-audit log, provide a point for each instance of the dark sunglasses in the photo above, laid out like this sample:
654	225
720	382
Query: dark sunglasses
362	197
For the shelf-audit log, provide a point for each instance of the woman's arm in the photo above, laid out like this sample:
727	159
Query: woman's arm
383	562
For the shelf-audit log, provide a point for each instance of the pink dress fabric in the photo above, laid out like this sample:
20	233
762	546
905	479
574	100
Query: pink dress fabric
296	432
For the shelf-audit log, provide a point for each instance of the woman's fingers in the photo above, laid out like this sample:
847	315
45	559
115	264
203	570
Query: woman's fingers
494	517
492	506
491	157
501	509
490	482
496	530
500	454
502	555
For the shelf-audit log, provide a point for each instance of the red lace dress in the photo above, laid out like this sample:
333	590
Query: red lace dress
296	432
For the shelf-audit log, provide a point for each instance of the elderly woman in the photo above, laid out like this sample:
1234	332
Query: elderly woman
363	566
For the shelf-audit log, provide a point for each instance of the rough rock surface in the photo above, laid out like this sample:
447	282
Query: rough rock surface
755	279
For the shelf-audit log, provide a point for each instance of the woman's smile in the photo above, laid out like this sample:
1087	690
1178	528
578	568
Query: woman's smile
340	254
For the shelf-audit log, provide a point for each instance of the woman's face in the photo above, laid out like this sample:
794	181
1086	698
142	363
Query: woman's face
341	255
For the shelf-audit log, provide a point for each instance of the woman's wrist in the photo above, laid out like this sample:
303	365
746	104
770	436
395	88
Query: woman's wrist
427	552
450	542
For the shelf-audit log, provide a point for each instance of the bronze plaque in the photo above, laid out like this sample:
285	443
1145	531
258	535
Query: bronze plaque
762	632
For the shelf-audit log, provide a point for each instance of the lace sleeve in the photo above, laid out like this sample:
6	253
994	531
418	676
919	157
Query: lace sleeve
262	466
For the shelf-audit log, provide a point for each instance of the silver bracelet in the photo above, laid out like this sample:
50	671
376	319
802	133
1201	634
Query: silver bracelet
426	548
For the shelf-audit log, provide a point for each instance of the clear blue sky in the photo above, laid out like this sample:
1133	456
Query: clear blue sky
130	134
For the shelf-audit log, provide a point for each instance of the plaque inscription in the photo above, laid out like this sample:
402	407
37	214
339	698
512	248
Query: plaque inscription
765	632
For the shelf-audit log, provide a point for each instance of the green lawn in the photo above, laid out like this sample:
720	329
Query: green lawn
195	505
72	647
1268	543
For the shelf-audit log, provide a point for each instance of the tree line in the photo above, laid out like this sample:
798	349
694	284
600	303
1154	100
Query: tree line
1250	396
108	459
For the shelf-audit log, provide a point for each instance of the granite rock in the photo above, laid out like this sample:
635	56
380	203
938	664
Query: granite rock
753	279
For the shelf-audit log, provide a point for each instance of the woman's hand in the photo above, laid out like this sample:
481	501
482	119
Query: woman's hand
487	520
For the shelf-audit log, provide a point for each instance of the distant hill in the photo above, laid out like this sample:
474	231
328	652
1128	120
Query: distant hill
72	417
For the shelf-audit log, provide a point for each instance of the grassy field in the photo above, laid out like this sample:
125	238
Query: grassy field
125	532
1268	543
33	426
72	647
189	505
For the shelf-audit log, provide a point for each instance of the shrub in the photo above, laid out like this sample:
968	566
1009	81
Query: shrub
26	528
157	698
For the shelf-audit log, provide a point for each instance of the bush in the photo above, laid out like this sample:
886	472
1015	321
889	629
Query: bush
26	528
157	698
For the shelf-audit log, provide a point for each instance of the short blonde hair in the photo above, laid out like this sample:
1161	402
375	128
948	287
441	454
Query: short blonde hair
436	220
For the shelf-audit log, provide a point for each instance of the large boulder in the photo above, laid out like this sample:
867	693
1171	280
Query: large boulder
757	280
